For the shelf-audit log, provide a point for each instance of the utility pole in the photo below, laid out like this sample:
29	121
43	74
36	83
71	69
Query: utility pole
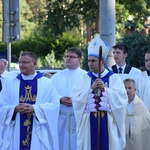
107	26
11	25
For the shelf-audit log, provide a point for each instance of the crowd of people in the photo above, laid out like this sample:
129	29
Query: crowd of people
106	108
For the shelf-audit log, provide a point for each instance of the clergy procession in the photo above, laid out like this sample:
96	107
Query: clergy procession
104	108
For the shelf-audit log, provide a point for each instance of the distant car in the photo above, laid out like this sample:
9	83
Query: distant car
14	66
51	71
3	54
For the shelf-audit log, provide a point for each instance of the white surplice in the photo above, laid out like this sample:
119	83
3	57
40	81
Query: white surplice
45	117
64	81
116	118
143	88
132	74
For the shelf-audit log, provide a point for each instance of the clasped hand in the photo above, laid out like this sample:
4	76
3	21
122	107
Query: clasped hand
98	83
24	108
66	101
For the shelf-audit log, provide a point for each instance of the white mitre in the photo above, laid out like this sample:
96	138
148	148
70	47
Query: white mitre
93	48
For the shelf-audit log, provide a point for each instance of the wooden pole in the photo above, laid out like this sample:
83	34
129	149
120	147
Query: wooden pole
98	95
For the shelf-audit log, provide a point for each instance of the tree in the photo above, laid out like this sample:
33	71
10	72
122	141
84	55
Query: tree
25	18
65	15
65	21
138	9
27	25
39	11
1	19
137	48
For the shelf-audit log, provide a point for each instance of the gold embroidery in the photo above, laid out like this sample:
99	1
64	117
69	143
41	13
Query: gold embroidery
95	114
27	124
101	112
28	95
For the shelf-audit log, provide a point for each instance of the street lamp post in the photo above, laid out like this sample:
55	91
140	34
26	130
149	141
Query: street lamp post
11	25
107	26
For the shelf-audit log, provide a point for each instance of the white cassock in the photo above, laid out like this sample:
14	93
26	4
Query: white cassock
116	118
143	88
132	74
45	117
137	126
7	76
64	81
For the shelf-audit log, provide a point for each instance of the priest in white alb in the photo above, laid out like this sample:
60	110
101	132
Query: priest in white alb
142	81
100	118
64	81
29	108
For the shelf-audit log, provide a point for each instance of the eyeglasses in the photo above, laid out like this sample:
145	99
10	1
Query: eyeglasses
24	62
67	56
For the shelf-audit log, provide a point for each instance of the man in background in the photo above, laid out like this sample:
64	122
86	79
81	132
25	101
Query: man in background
143	82
124	70
4	74
137	120
64	81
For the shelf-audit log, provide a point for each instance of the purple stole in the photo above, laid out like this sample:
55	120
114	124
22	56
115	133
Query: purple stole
27	94
104	140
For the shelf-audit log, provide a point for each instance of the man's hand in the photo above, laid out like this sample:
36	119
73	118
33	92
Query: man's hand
24	108
66	101
98	83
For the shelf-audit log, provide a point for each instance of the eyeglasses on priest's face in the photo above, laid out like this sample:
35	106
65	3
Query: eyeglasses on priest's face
24	62
68	56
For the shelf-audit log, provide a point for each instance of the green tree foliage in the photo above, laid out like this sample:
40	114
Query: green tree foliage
85	58
138	9
138	44
66	40
43	46
121	17
27	25
51	62
55	25
25	19
64	15
39	11
1	19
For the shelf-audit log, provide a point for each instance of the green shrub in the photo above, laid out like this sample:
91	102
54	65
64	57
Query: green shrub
138	45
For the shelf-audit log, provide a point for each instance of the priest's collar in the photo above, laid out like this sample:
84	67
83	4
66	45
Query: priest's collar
131	101
123	67
73	69
148	73
36	75
102	74
30	77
